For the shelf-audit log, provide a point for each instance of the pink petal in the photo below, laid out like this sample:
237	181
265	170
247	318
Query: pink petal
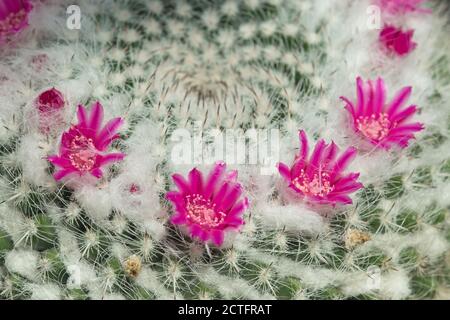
178	219
97	172
304	149
360	97
284	171
231	198
349	106
371	103
349	188
232	176
400	139
380	96
348	179
404	115
316	157
298	165
234	222
58	175
196	181
177	200
238	208
82	116
213	179
217	237
7	7
401	97
204	235
108	132
330	154
340	199
181	183
343	161
219	196
406	129
96	117
198	232
104	144
58	161
173	196
111	157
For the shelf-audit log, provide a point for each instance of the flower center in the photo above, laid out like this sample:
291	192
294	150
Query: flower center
12	21
83	153
319	185
202	212
373	127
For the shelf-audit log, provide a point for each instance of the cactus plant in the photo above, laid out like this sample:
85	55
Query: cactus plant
175	76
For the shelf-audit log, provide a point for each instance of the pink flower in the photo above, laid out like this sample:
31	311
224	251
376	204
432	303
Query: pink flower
402	6
83	147
397	41
208	207
50	100
38	61
320	178
382	124
13	17
49	105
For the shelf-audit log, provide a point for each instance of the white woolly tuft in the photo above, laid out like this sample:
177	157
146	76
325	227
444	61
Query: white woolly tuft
23	262
293	218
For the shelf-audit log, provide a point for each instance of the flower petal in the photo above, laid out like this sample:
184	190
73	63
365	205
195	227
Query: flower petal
230	199
181	183
343	161
108	132
196	181
406	129
340	198
238	208
213	179
371	102
220	195
316	157
217	237
330	154
82	116
232	176
304	149
360	97
284	171
380	96
401	97
178	219
111	157
404	115
58	175
97	172
348	188
96	117
59	161
349	107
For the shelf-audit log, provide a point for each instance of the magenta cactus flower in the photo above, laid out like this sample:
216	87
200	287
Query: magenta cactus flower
396	41
49	105
83	147
209	207
50	100
382	124
402	6
13	17
321	178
